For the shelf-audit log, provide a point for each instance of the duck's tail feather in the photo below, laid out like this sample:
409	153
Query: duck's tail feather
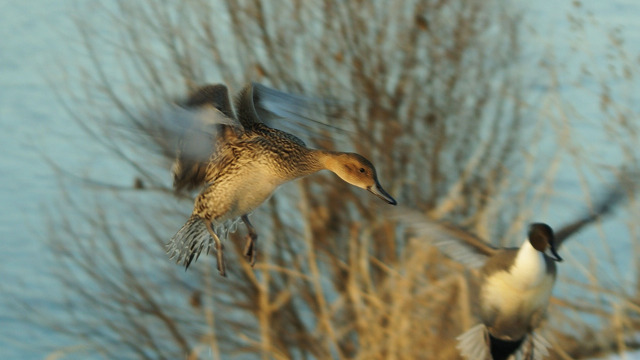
190	241
473	343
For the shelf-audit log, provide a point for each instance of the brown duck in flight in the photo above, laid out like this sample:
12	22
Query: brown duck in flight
238	159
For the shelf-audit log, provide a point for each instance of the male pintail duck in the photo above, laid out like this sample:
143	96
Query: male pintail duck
240	159
515	284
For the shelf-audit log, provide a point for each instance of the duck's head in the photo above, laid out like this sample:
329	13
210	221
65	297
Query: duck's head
542	239
358	171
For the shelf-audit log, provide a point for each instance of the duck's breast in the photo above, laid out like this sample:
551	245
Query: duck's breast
254	186
507	296
245	172
237	188
514	300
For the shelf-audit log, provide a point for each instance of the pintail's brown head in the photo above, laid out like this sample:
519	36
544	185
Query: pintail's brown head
358	171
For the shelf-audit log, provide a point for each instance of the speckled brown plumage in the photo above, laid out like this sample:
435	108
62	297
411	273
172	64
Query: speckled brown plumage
247	162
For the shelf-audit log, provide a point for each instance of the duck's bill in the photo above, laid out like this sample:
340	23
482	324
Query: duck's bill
551	252
378	191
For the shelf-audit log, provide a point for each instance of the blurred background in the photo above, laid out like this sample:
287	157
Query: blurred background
489	114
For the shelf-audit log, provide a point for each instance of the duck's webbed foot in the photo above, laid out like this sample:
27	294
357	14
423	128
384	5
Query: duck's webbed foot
222	268
252	237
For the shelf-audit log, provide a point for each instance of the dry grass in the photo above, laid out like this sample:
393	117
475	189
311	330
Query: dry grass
430	94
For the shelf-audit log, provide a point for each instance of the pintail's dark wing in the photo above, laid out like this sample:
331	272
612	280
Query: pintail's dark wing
453	241
615	193
194	127
303	117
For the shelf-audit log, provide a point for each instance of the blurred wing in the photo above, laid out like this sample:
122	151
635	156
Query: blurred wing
212	95
189	136
473	344
194	129
603	206
454	242
540	346
295	114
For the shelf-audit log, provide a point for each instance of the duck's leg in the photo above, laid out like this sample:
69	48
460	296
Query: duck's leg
222	269
252	238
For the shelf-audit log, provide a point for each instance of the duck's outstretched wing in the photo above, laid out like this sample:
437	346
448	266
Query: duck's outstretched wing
603	206
455	242
297	115
536	347
195	127
473	344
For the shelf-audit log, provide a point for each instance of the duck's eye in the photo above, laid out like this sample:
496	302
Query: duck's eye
362	170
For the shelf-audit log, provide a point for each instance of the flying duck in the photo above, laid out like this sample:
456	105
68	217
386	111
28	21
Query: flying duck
514	284
239	158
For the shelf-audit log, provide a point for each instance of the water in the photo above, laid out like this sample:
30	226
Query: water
35	127
35	36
